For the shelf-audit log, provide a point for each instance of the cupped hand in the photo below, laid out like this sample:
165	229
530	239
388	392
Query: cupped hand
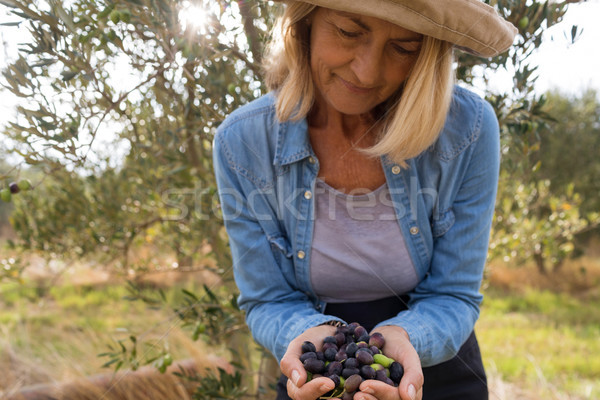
397	346
298	388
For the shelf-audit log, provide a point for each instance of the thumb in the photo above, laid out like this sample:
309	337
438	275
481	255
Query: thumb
292	368
398	346
412	381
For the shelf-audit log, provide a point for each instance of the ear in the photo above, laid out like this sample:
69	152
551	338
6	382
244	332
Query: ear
308	21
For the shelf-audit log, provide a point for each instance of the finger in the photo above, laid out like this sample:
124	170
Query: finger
398	347
419	394
364	396
292	368
310	390
290	363
413	373
412	381
378	390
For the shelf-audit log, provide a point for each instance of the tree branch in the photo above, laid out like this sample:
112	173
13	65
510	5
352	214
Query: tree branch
252	34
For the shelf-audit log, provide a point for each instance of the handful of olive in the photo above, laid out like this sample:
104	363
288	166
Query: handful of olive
348	357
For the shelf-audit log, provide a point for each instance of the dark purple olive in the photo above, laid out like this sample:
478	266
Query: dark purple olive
351	349
314	366
307	355
381	375
360	331
352	383
341	355
364	356
348	372
396	371
335	379
367	372
364	338
14	187
335	368
330	339
389	381
330	354
329	345
342	329
340	339
348	395
352	326
377	340
351	363
308	346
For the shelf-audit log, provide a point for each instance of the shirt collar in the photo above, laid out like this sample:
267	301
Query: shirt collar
292	142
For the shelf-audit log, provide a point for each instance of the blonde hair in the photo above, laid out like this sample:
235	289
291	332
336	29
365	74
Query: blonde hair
287	63
417	118
411	120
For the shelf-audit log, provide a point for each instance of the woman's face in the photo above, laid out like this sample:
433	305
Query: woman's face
358	62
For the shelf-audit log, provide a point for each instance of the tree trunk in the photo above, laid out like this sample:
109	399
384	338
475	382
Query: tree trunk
539	261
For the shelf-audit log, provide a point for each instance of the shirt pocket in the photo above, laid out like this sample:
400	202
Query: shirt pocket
443	223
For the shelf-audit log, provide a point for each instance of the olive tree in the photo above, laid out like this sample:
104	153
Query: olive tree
119	100
531	222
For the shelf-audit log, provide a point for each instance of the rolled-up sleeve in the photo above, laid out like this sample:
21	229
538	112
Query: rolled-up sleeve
444	306
276	312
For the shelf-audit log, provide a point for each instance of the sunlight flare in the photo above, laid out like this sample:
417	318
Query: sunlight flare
193	16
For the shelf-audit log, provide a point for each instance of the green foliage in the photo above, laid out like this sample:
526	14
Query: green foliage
568	151
180	81
214	316
540	215
120	355
533	221
535	224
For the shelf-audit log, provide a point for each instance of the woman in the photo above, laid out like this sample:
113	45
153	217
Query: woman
362	189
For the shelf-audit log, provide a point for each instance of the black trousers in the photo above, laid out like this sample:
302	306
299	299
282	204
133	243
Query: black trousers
462	377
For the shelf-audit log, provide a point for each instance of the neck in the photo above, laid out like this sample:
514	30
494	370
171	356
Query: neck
354	128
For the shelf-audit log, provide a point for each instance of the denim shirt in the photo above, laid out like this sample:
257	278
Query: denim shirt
444	201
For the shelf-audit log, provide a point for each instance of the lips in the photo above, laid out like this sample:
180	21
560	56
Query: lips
355	89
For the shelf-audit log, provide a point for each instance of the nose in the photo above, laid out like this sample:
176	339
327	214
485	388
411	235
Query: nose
367	64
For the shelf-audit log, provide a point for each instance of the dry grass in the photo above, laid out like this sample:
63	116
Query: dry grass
55	338
147	383
59	371
579	277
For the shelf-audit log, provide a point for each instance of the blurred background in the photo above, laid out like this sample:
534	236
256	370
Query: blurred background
112	252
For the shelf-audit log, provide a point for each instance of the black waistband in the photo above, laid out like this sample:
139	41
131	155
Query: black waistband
368	313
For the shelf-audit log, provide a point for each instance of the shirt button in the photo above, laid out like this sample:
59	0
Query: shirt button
308	195
396	169
312	160
301	255
414	230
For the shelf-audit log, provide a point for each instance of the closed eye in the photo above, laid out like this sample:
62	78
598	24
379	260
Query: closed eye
405	49
348	34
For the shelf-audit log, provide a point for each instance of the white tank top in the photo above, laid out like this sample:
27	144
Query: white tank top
358	250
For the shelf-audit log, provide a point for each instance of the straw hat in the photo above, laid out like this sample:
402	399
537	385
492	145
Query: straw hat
471	25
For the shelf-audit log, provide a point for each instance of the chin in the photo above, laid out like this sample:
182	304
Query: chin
352	107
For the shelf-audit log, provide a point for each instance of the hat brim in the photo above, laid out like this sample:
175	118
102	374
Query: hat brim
471	25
